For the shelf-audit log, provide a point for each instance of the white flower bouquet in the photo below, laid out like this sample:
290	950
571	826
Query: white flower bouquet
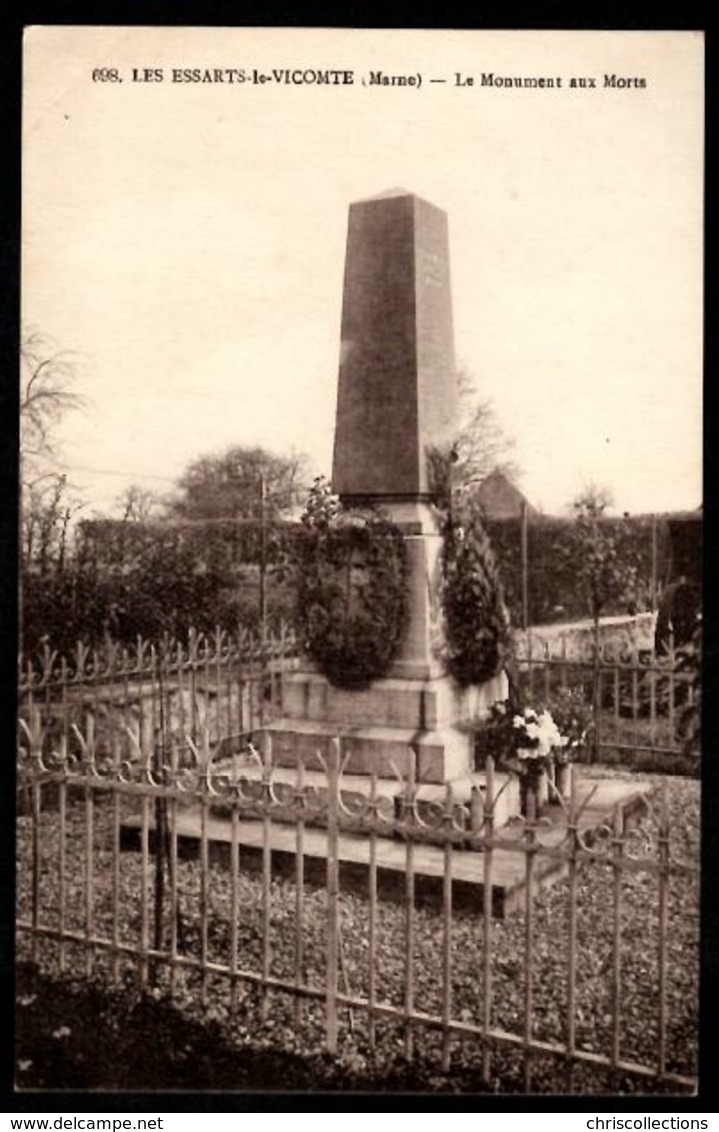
536	735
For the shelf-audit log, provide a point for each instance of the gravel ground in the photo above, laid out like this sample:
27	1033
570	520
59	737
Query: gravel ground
257	1047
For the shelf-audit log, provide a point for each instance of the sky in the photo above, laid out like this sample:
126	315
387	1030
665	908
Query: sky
186	241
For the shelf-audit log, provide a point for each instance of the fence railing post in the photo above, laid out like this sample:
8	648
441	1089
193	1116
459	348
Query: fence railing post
488	828
596	693
267	766
525	565
333	786
572	895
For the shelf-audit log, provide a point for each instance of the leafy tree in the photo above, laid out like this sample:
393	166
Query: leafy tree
241	483
604	573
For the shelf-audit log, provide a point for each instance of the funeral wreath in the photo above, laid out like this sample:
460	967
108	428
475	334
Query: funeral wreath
352	593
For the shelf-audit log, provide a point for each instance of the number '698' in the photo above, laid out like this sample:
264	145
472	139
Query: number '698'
105	75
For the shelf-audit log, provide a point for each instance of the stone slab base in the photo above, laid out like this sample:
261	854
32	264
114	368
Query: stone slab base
422	705
509	870
384	751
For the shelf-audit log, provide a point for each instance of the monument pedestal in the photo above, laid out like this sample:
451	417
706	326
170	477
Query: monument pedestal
381	725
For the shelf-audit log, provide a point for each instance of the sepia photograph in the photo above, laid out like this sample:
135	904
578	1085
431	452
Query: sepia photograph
360	542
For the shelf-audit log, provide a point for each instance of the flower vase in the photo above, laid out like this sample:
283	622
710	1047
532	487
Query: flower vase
533	790
562	780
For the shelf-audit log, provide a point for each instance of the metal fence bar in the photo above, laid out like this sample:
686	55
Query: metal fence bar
47	712
221	680
204	894
663	838
532	664
299	885
618	847
144	890
194	664
331	990
653	700
64	711
573	845
231	687
207	714
175	911
529	859
563	664
672	685
447	934
161	727
116	820
234	898
36	805
635	688
238	726
372	880
409	905
266	866
89	877
487	920
62	860
125	697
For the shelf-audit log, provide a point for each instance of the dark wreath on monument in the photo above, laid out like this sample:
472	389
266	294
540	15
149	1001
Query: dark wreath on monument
353	604
476	621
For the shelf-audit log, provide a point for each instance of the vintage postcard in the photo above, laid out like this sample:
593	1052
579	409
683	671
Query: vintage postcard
361	527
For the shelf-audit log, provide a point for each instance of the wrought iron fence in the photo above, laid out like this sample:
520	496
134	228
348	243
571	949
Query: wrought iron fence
643	700
217	686
165	866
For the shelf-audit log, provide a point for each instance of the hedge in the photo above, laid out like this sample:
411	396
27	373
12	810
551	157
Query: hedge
121	578
553	591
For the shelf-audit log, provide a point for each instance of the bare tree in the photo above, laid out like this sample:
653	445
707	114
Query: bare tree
482	445
46	376
137	504
593	502
48	508
47	513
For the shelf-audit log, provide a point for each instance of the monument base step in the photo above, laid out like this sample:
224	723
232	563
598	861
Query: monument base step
428	862
432	703
442	755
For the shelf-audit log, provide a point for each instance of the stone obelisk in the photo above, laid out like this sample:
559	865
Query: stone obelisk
397	393
397	384
396	401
